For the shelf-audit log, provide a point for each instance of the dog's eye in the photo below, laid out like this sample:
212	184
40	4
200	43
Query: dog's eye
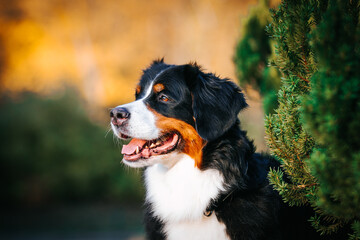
163	98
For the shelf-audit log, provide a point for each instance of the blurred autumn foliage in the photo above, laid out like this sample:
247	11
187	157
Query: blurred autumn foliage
101	46
51	152
53	146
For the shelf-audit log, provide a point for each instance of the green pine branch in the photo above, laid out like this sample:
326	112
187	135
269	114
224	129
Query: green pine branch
314	130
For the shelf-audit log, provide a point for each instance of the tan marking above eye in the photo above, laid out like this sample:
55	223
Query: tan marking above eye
138	89
158	87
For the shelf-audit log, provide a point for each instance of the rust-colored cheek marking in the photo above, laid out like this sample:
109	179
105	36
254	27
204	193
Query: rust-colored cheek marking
138	89
158	87
193	143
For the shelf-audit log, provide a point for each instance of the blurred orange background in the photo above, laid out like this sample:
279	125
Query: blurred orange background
101	46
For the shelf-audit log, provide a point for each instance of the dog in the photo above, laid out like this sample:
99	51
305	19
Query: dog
203	178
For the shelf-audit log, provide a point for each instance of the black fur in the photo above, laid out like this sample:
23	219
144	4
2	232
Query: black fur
250	209
216	102
153	225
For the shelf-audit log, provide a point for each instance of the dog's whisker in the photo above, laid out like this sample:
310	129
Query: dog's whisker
107	132
118	141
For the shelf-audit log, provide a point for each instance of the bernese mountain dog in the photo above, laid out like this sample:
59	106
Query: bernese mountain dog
203	178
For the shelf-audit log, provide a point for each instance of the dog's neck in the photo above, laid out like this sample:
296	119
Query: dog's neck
231	155
182	192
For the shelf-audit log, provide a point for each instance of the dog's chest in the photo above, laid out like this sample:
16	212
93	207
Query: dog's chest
207	228
179	196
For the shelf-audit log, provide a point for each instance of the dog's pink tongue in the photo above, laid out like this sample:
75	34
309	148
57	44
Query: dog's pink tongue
131	147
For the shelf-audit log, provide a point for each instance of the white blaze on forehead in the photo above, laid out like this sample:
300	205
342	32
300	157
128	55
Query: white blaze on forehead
148	90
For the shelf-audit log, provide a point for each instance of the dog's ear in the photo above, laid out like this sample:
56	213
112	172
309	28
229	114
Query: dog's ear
216	102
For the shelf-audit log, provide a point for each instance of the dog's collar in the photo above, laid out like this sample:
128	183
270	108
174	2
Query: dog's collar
215	204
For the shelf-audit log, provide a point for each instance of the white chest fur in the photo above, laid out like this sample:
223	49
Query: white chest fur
208	228
179	197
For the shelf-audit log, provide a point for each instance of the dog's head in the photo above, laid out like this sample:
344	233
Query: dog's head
178	109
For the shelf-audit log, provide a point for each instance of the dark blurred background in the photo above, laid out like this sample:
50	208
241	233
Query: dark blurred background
63	65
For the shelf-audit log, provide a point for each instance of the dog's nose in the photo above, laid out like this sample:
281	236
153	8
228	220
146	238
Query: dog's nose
119	115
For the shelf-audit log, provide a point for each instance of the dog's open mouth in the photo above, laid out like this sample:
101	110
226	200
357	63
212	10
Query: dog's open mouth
142	149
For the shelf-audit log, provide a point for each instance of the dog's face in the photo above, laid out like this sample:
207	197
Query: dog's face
177	110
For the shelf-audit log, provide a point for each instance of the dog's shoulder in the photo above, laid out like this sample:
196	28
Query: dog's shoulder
251	211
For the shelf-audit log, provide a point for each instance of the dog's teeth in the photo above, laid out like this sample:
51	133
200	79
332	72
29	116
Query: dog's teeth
152	145
158	142
137	150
